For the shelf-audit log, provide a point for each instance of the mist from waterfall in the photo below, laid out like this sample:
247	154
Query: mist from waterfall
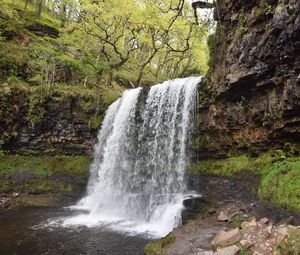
137	176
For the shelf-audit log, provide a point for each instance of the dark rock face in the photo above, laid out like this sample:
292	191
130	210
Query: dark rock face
253	87
63	129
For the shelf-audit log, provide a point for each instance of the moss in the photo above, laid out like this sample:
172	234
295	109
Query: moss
36	108
232	165
157	247
290	245
69	188
95	121
44	166
42	187
6	186
111	94
200	142
38	201
236	220
281	183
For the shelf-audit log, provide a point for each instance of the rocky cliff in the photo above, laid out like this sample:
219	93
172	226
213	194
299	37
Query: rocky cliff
251	97
57	122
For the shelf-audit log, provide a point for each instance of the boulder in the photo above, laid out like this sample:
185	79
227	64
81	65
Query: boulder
282	233
224	239
264	221
268	230
223	216
246	243
231	250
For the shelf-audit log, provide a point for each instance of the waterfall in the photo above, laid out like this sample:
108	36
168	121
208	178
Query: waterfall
137	175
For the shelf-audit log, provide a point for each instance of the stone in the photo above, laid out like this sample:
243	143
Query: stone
206	253
212	211
223	216
257	253
246	243
231	250
258	61
268	230
264	220
15	194
282	233
224	239
253	224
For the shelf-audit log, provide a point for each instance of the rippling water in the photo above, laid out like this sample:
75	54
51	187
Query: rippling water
23	232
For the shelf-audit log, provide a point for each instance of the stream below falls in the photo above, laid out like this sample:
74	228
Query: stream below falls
24	232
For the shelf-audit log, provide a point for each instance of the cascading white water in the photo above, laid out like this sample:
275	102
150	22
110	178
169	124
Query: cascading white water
137	176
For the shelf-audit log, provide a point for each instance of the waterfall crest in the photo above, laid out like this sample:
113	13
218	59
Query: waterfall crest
137	175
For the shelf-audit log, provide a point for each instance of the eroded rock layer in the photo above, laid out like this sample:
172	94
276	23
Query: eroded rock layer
251	99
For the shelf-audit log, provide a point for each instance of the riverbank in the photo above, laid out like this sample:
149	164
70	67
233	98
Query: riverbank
230	203
41	180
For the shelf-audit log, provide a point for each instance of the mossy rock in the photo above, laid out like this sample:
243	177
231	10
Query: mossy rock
157	247
38	201
43	27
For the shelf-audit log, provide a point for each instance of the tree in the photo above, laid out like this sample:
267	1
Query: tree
131	37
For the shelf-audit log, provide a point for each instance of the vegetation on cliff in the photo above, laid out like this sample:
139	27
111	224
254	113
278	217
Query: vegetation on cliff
95	43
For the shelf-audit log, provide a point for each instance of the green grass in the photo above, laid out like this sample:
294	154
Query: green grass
157	247
43	165
42	174
232	165
279	170
281	184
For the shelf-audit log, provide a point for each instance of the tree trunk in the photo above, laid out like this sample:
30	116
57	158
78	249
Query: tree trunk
39	8
25	6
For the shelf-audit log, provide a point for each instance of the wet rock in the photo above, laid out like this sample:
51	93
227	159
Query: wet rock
223	239
195	206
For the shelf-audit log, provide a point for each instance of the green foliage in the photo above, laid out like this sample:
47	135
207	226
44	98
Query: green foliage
242	24
96	42
44	166
236	220
269	9
211	43
1	149
111	94
232	165
281	183
36	108
291	245
244	251
199	142
95	121
156	247
44	200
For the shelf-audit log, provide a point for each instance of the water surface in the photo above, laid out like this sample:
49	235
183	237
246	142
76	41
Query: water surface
21	232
